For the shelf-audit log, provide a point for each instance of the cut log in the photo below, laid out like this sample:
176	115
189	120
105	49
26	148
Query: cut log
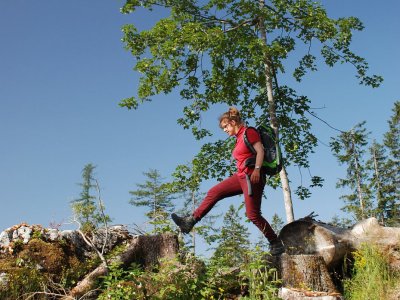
308	236
144	250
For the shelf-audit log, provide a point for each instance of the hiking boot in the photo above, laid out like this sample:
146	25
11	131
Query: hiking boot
184	223
276	247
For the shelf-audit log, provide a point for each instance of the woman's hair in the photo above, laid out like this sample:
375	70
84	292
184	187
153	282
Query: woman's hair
232	114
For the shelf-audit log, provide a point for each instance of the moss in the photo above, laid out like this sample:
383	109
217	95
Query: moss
39	264
37	234
50	257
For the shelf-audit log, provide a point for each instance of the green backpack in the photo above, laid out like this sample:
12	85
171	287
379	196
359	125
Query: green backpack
272	163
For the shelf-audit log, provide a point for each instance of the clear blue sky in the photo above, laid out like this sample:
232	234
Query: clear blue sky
63	71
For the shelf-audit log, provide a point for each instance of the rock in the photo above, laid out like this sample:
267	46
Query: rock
111	237
3	279
23	232
4	239
53	234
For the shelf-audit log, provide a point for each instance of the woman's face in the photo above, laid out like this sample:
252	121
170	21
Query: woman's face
229	127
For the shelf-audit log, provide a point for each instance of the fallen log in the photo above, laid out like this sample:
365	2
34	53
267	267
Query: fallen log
144	250
308	236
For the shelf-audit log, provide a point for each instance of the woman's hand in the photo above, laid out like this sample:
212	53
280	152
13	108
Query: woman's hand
255	176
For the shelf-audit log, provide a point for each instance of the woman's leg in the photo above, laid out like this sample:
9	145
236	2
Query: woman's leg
253	208
227	188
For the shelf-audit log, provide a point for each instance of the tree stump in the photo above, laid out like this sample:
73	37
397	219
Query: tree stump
307	272
143	250
313	248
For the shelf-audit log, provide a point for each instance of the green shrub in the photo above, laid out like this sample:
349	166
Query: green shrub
120	284
261	280
171	280
372	277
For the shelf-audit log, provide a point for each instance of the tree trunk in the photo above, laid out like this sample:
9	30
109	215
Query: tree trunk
274	122
144	250
380	198
358	178
287	196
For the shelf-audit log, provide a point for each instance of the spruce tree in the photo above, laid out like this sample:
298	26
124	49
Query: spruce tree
232	241
349	148
392	143
156	196
89	213
378	183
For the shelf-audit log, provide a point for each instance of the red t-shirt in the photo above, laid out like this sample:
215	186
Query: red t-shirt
241	152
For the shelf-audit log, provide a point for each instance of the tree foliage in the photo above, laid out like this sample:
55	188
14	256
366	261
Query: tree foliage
213	53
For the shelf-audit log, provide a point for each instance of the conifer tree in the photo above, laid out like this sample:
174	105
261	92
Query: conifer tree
349	148
232	241
378	183
277	223
392	143
155	195
89	213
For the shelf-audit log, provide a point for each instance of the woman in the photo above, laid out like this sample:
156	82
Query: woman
249	181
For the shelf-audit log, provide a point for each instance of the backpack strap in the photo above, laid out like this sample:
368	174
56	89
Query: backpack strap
251	161
246	140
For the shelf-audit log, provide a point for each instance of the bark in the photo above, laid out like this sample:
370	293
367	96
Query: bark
306	271
308	236
287	195
144	250
269	72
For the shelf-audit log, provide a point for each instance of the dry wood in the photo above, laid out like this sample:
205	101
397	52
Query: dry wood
144	250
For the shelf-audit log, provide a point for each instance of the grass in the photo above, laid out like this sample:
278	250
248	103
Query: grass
372	277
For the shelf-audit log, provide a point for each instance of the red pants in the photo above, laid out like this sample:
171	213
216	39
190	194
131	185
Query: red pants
233	186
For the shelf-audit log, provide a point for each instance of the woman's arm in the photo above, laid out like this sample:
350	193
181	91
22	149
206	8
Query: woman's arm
255	176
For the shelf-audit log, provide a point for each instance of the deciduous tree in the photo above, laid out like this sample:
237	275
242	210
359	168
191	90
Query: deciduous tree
232	53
